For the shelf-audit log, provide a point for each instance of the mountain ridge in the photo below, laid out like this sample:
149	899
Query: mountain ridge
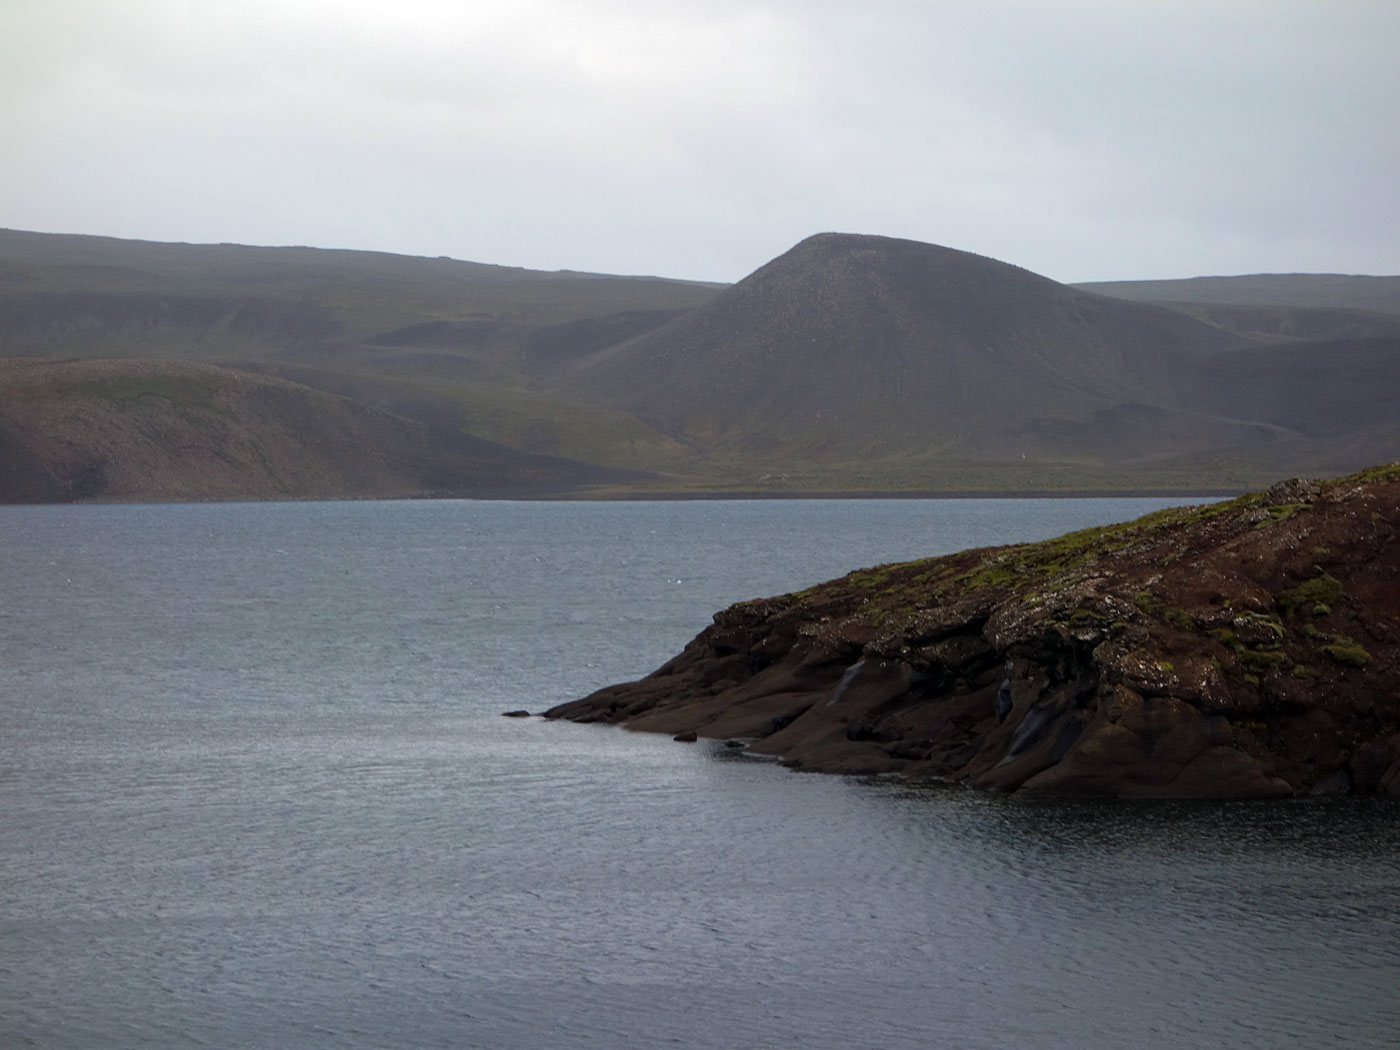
848	363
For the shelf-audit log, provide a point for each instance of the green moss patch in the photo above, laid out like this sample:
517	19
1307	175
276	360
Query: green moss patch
1346	651
1261	662
1383	472
1279	512
1168	614
1323	589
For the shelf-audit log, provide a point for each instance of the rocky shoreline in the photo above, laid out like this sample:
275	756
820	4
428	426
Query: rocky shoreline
1241	649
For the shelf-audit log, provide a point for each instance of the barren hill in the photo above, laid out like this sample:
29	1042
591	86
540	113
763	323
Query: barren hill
853	344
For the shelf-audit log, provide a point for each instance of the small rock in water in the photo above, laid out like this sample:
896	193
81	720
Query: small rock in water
688	737
522	713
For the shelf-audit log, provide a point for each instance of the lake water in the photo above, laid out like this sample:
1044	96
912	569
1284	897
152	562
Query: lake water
255	792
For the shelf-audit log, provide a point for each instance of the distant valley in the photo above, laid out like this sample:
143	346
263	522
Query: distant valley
143	371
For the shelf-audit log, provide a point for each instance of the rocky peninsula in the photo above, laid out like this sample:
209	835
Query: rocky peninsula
1248	648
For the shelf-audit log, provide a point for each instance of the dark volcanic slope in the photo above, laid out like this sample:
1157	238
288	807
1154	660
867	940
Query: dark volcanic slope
1278	324
1320	388
173	430
1242	649
869	344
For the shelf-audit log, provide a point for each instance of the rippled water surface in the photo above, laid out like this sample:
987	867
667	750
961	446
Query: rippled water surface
255	792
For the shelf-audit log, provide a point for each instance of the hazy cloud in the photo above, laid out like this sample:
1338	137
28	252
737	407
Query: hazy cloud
1085	140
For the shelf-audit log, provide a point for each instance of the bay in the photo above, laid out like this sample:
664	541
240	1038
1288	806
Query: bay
255	791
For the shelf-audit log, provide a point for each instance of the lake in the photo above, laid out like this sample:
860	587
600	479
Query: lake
255	791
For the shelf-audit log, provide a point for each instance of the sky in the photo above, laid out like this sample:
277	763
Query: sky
1082	139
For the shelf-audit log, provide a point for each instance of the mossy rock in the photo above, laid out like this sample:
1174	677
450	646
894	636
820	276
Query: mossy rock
1322	589
1345	651
1168	614
1261	662
1279	512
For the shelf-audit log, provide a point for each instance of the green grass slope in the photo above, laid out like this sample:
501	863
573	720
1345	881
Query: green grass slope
172	431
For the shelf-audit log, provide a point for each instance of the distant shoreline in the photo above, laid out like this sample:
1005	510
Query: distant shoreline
776	494
512	495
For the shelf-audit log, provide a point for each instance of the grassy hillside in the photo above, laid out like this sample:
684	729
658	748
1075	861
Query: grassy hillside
430	389
171	430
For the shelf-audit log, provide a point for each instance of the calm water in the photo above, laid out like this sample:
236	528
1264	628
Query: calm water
255	792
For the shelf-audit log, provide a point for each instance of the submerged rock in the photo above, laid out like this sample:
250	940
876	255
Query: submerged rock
1240	649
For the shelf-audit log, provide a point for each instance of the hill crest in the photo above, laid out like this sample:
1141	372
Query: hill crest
860	343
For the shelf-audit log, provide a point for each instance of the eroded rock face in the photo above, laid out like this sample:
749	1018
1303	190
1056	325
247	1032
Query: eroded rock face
1243	649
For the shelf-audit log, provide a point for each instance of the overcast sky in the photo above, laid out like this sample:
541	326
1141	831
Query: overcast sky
1083	139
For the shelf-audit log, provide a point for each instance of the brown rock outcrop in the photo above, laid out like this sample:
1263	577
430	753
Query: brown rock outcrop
1243	649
